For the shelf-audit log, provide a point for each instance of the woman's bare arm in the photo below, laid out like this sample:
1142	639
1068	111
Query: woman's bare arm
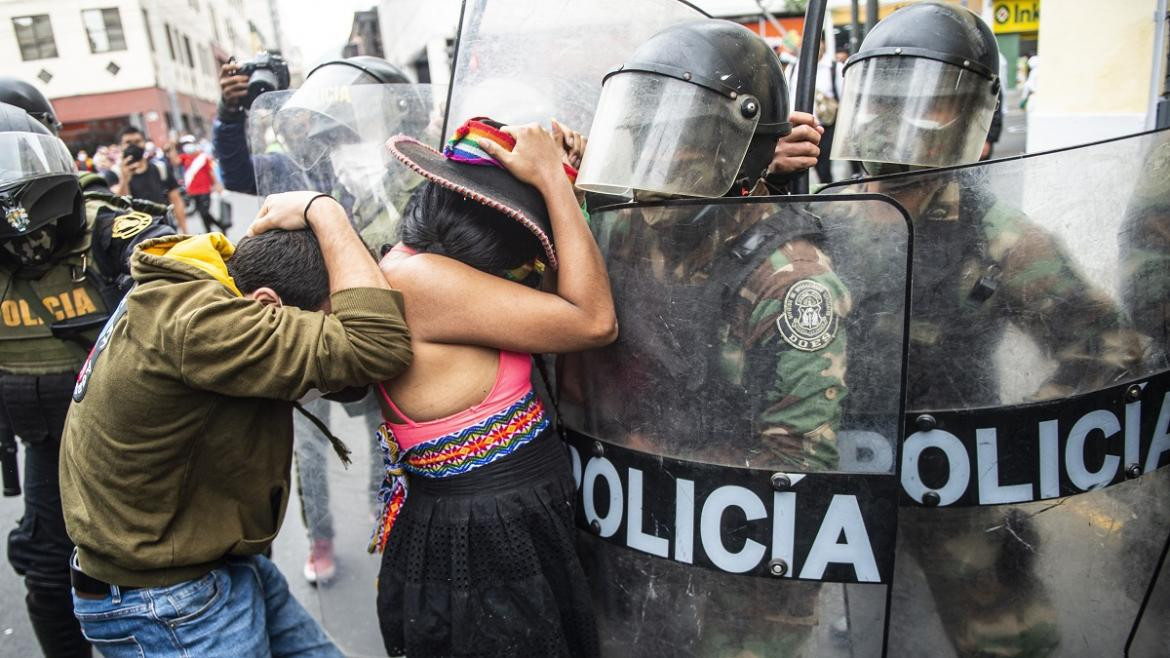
449	302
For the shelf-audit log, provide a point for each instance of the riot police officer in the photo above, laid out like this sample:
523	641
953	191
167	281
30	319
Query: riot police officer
920	95
728	110
735	353
63	267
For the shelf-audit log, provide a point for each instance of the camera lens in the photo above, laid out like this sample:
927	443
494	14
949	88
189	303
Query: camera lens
262	81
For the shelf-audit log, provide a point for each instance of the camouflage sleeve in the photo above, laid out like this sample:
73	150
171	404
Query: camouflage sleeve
1145	248
1042	292
787	343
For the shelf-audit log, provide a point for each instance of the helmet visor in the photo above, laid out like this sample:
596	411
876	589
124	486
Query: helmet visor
657	134
29	155
913	111
318	115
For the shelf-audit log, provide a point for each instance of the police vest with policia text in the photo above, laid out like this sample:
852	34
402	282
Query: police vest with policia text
49	322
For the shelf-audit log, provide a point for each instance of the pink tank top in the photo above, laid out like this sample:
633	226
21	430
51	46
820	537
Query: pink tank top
510	417
513	381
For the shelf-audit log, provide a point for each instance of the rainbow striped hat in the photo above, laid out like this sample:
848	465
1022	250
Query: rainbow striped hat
466	168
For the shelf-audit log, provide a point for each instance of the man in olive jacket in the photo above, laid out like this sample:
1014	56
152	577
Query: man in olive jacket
176	453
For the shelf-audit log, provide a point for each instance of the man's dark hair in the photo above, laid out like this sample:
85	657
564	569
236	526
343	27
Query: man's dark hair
440	221
130	130
289	262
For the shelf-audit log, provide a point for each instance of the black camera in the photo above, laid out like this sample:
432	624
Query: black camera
267	71
134	152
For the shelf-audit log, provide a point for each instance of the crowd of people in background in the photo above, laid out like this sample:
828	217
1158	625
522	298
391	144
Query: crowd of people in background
183	173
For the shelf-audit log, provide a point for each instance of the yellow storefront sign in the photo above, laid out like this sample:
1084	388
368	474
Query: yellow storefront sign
1010	16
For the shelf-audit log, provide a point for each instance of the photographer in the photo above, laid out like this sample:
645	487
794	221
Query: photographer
229	133
142	179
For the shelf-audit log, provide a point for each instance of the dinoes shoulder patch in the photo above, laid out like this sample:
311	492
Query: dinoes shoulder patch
807	320
130	224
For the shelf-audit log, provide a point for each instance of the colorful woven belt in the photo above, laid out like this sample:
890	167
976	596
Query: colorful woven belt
493	438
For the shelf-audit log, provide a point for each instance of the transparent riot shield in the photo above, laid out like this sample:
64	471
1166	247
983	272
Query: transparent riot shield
1035	508
731	501
335	143
523	61
332	139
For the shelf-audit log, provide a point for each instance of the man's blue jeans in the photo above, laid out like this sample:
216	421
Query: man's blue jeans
241	609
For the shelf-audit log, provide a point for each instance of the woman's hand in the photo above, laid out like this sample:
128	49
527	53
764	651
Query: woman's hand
535	159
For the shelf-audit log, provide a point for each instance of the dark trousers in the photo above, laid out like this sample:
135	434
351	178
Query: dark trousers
39	548
203	205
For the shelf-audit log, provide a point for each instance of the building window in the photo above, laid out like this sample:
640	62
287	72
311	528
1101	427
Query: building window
187	47
149	32
170	41
104	28
35	36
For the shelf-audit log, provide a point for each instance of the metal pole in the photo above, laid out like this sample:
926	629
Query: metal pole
806	69
871	14
855	31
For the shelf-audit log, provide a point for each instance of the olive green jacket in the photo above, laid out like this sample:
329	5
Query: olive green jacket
177	448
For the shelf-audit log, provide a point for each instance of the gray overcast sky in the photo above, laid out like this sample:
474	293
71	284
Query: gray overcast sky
319	29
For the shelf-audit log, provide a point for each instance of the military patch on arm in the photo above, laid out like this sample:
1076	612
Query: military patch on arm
131	224
807	320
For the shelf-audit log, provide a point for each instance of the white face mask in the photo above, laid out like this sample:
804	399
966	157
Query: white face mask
361	168
189	148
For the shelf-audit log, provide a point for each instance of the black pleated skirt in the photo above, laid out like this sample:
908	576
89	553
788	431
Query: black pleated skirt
485	563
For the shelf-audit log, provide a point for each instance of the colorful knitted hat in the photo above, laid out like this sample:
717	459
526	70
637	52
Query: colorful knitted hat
465	168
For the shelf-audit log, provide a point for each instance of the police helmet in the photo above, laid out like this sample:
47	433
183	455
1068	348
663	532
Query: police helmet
38	185
14	91
695	111
320	114
921	90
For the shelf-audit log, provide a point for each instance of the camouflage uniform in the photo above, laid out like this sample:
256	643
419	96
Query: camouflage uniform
978	266
754	382
716	328
1145	243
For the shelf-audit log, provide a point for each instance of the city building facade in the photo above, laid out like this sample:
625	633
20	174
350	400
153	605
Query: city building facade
108	63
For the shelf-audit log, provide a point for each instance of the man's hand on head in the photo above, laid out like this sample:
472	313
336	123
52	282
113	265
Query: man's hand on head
799	149
292	211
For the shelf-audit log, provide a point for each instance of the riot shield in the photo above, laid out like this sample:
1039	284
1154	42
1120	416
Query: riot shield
337	145
730	502
332	139
523	61
1034	506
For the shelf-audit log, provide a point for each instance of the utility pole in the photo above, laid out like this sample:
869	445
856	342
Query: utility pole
855	31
